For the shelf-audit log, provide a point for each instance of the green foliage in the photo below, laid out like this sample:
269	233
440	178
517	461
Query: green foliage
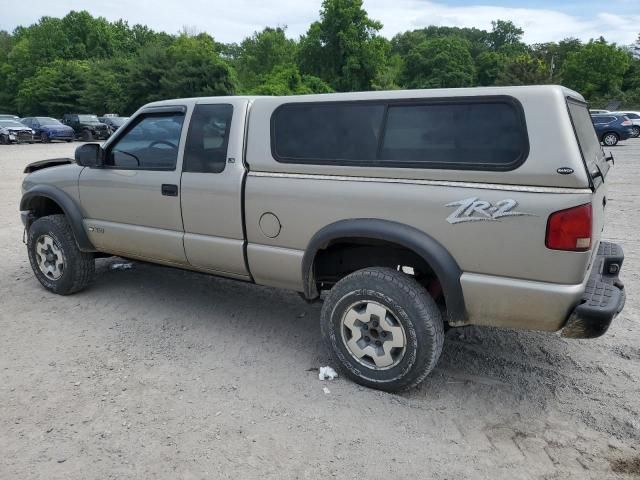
523	70
597	69
343	48
81	63
441	62
286	80
54	88
259	54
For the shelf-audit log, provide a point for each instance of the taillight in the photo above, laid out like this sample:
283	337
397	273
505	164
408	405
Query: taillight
570	229
627	123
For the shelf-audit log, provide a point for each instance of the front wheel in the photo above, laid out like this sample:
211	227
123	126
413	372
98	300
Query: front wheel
4	140
44	138
382	328
610	139
87	136
55	258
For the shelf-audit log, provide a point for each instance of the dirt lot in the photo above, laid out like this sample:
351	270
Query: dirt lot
159	373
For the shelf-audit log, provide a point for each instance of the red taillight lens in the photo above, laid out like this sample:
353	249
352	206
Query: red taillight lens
570	229
627	123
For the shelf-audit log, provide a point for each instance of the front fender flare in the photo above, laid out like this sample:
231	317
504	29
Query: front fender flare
68	206
438	257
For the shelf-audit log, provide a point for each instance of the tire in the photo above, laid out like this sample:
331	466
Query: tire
412	324
53	234
4	140
610	139
87	136
44	138
69	141
635	131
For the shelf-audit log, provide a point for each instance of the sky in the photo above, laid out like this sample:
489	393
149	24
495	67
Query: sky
232	20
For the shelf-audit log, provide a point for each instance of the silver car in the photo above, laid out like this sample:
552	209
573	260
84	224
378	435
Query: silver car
404	212
12	131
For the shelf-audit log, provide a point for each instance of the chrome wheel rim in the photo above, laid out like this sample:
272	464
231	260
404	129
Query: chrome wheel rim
609	139
373	335
49	257
636	132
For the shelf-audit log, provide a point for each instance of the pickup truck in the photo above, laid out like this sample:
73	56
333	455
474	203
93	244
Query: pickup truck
404	212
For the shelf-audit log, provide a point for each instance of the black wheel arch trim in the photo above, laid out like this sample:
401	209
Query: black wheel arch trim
437	256
68	206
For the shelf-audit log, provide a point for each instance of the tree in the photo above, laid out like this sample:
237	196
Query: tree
259	54
53	90
523	70
286	80
439	63
343	48
597	69
505	37
489	66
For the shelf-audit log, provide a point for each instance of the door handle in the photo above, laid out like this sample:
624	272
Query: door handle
169	190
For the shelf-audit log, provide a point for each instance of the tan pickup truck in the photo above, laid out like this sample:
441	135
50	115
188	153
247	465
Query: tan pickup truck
405	212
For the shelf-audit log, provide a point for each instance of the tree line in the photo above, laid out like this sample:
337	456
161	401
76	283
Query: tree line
82	63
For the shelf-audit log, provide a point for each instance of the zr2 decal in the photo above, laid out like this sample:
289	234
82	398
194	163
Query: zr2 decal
474	210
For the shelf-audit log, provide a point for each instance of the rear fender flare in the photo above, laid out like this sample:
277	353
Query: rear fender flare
438	257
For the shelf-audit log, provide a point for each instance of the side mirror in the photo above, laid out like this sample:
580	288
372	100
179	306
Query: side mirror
89	155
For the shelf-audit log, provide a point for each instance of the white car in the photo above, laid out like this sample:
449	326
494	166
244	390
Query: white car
635	119
597	112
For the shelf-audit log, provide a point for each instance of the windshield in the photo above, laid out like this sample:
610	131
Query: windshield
10	123
48	121
88	118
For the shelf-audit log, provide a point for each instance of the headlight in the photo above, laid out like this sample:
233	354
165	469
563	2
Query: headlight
33	132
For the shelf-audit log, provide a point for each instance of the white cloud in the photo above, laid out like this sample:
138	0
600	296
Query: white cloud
232	20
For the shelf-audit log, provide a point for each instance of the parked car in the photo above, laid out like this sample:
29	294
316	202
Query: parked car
407	212
47	129
5	116
612	128
635	120
114	123
87	127
12	131
595	111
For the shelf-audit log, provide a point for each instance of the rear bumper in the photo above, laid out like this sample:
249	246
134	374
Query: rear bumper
604	296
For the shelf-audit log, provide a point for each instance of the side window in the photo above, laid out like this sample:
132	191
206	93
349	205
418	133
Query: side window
208	139
474	135
454	134
633	116
151	143
327	133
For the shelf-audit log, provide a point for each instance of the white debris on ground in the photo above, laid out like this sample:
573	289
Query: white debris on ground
326	390
121	266
327	373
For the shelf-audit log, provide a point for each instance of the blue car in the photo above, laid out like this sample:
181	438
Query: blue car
611	128
48	129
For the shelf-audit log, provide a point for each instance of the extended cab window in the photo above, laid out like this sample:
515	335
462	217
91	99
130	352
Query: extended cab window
151	143
207	139
480	134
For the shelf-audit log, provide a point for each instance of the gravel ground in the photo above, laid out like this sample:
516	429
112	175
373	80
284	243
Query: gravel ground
159	373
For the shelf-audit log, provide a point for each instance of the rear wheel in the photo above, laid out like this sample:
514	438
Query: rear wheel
382	329
55	258
610	139
44	138
87	136
635	131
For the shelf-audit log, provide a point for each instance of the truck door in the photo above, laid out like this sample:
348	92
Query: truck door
132	204
211	187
